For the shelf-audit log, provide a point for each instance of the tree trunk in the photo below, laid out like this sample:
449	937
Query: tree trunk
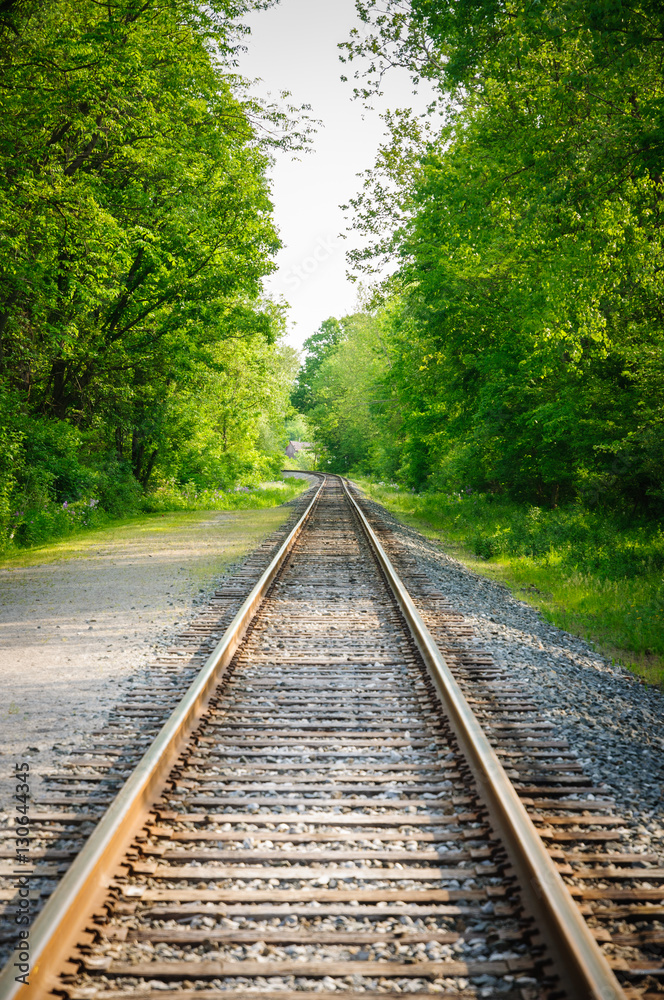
148	469
141	469
137	449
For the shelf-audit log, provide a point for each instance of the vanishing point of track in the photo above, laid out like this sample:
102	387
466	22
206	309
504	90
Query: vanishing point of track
323	812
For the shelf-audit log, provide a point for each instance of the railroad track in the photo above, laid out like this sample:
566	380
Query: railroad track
85	780
324	812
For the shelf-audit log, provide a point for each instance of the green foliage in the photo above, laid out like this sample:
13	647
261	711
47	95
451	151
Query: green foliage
11	459
59	482
526	347
39	523
296	428
50	521
135	223
170	496
36	523
230	418
343	388
518	345
317	347
135	232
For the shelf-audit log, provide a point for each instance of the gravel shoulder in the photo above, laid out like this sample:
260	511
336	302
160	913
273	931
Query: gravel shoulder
79	617
614	720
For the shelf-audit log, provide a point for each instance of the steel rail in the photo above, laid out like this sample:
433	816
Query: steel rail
578	961
54	933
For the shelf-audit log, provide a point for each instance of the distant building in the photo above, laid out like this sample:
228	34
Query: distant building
295	446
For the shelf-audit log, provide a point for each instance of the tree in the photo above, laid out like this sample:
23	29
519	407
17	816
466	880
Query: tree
346	408
135	218
528	237
317	346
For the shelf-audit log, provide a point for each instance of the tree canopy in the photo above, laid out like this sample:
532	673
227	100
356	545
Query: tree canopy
135	227
523	221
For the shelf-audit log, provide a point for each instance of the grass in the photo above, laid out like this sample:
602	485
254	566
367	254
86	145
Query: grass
242	530
170	498
589	573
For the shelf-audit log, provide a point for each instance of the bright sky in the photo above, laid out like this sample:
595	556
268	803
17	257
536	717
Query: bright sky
293	47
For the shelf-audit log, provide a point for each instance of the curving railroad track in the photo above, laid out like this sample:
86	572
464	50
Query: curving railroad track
348	798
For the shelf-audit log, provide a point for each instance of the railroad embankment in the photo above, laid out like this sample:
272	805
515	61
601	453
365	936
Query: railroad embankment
80	616
596	576
322	830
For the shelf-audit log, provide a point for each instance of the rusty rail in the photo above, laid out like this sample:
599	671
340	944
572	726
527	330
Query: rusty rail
54	932
578	961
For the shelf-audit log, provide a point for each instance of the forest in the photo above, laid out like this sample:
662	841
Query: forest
506	368
139	356
516	346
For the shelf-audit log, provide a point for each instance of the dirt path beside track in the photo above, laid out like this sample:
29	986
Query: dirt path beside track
79	617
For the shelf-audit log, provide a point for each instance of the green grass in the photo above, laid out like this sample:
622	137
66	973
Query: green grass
587	572
169	498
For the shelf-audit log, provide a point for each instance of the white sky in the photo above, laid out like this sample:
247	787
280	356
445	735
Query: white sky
293	47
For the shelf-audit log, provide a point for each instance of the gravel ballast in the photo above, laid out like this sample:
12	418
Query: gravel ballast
612	719
74	629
